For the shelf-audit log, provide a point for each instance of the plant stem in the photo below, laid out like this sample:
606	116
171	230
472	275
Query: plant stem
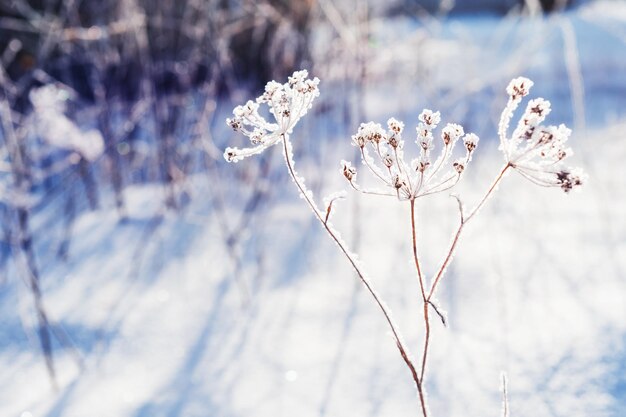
426	341
335	237
415	256
464	221
427	299
422	288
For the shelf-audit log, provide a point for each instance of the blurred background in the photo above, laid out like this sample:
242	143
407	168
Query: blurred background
143	276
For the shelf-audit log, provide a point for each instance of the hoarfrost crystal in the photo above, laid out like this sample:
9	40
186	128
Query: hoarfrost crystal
420	177
534	150
286	102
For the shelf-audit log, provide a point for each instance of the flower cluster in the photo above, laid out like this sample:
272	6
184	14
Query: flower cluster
287	103
49	103
534	150
422	176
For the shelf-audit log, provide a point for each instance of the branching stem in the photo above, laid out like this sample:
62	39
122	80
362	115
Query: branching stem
354	263
464	221
427	298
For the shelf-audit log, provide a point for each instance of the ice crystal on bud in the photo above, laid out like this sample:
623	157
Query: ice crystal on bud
459	165
420	177
369	132
568	180
398	182
287	103
519	87
471	141
388	160
395	126
534	150
347	170
430	118
451	133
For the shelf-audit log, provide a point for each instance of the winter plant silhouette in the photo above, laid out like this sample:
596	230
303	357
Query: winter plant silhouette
535	151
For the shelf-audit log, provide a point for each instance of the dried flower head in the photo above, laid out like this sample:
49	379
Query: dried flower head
369	132
395	126
286	102
471	141
534	150
420	177
430	118
347	170
451	133
519	87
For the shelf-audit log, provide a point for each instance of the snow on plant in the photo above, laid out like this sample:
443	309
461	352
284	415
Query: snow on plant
57	129
421	176
534	150
287	103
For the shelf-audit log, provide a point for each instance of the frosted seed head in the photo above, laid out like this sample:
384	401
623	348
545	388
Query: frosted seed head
426	143
528	132
358	140
561	153
388	161
470	140
347	170
372	132
395	126
257	136
230	154
430	118
312	87
563	133
519	87
393	142
235	123
539	106
459	165
298	77
451	133
569	180
546	135
423	131
397	182
272	89
247	110
288	103
422	164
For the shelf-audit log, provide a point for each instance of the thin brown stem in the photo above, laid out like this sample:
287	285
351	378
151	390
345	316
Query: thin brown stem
426	341
342	246
415	256
457	235
423	290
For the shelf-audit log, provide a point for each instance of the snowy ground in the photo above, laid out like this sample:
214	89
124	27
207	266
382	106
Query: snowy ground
168	320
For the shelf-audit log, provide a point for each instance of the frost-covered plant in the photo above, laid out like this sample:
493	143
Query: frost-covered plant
535	151
49	103
420	177
287	103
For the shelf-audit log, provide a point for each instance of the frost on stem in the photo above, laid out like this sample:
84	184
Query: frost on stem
49	103
422	176
330	202
287	103
536	151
